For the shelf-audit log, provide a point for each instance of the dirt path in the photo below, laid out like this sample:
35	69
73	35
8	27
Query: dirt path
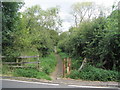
59	68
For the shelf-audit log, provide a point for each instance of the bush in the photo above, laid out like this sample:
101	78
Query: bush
96	74
76	63
58	50
48	63
42	75
5	70
31	73
63	55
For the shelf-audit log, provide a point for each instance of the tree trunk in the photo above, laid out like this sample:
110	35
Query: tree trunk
83	64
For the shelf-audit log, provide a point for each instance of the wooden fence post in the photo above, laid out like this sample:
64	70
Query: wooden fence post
64	67
38	63
17	61
67	65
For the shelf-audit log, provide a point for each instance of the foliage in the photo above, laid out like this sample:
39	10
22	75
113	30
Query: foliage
76	63
48	63
63	55
95	74
34	29
10	19
97	40
6	70
31	73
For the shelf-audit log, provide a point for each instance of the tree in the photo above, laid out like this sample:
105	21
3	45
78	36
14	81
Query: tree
82	11
38	29
10	17
98	41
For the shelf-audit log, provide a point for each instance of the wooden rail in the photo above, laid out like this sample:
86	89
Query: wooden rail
20	63
12	63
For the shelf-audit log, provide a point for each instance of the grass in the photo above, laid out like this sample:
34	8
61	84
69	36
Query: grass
95	74
31	73
6	70
90	72
47	65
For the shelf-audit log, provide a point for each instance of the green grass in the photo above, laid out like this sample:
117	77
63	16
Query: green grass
6	70
48	63
31	73
95	74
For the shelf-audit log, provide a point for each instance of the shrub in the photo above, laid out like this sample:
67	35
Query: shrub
63	55
5	70
58	50
76	63
48	63
96	74
31	73
25	72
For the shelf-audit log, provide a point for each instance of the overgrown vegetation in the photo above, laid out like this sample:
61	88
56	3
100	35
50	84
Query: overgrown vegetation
36	32
98	40
63	55
31	73
29	33
34	29
95	74
47	66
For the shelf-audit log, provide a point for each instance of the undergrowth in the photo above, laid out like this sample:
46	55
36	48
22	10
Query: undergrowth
48	63
94	74
47	66
63	55
31	73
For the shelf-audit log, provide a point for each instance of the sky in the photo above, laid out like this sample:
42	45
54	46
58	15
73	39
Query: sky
65	8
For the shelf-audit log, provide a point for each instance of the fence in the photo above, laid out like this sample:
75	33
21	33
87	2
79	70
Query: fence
20	63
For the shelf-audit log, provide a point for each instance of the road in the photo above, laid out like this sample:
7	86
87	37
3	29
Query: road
7	83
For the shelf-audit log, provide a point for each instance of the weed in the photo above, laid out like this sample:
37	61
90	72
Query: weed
31	73
94	74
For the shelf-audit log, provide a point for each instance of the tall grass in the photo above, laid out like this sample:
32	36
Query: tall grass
31	73
48	63
95	74
6	70
47	66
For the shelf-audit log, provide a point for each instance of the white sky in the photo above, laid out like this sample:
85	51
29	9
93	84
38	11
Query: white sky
65	7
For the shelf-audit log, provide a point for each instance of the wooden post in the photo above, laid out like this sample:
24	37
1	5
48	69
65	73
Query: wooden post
38	64
67	65
22	64
17	61
64	67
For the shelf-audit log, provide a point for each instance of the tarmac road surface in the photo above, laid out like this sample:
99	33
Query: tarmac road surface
7	83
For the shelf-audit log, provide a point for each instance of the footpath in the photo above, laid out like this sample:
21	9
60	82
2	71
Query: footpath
57	78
